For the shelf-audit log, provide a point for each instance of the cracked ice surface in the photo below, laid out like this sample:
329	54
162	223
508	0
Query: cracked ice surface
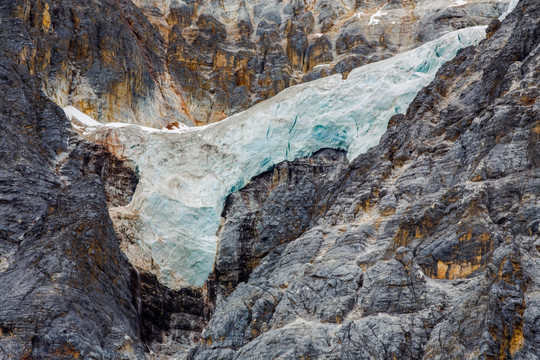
186	174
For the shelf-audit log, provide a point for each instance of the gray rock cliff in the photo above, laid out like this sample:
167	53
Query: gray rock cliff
424	247
65	284
164	62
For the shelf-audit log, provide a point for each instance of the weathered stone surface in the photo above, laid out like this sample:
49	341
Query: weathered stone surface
104	57
319	52
156	62
275	44
424	247
119	179
65	284
251	235
171	321
66	289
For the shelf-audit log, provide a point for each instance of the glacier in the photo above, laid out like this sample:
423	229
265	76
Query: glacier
187	173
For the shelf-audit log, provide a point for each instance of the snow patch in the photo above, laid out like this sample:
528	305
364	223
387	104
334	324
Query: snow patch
459	3
79	118
511	6
320	66
143	128
373	19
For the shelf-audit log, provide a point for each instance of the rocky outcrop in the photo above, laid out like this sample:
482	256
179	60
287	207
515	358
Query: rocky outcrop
171	320
226	57
65	284
118	178
251	234
66	289
159	62
427	246
104	57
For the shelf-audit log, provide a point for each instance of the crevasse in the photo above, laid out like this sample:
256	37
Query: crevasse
186	174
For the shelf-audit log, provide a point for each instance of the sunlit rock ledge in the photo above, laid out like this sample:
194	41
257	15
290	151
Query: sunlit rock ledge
170	226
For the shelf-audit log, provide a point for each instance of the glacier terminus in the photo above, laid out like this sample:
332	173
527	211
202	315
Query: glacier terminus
186	173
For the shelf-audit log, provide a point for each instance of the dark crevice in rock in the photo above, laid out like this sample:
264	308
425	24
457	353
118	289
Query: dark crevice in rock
169	316
248	236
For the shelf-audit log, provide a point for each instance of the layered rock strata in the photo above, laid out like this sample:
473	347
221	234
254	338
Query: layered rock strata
159	63
425	247
226	56
65	284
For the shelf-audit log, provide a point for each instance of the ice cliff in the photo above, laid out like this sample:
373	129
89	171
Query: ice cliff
186	174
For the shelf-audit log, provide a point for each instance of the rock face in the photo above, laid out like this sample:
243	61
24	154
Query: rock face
171	320
198	61
104	57
426	247
225	56
65	284
291	192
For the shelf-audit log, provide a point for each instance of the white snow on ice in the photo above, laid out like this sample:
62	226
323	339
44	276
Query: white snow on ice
79	118
511	6
459	3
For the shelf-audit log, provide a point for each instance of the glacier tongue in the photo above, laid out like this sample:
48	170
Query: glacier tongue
186	174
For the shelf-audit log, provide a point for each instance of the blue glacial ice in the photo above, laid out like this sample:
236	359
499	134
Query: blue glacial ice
186	174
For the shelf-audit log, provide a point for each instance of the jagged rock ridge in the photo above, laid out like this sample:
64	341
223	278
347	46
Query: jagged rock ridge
163	62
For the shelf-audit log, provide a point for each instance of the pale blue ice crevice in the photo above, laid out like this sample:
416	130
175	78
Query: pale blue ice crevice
185	175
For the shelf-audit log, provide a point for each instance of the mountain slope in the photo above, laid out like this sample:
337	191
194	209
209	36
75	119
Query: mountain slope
189	172
424	247
162	62
427	246
65	284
